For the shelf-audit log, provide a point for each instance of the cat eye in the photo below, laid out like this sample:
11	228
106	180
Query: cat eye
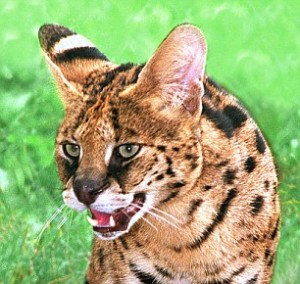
71	150
128	151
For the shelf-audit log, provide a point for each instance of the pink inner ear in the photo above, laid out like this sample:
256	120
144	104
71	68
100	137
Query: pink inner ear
177	68
195	70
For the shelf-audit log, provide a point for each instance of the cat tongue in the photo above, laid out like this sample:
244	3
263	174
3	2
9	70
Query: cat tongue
101	217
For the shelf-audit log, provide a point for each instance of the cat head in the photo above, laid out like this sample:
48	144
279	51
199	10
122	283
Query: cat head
129	141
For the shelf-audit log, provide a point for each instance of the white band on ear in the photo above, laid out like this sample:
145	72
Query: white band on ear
72	42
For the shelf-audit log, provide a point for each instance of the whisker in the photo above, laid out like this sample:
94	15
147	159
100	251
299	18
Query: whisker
63	221
167	214
49	221
149	223
161	218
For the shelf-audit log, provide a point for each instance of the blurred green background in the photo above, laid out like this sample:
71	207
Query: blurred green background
254	50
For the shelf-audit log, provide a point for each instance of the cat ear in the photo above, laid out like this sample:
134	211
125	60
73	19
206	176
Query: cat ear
71	58
176	69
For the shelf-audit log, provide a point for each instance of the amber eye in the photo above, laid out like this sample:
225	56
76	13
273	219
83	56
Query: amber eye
128	151
71	150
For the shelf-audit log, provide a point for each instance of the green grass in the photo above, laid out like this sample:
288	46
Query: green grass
253	51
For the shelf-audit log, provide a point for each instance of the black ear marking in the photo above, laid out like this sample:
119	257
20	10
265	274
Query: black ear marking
49	35
63	45
80	53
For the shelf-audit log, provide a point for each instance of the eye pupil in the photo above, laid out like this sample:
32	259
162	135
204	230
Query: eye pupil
128	148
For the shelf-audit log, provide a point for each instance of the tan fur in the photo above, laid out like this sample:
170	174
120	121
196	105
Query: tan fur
220	225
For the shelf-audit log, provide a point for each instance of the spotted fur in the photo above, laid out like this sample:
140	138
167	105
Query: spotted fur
204	175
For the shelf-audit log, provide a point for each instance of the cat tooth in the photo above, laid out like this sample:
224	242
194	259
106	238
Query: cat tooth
112	222
93	222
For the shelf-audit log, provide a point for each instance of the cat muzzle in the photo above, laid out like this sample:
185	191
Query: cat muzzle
118	220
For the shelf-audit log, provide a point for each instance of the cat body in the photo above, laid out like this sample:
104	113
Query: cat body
179	181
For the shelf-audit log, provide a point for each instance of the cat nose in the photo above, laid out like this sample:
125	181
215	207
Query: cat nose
87	188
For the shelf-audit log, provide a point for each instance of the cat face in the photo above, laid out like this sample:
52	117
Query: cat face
129	141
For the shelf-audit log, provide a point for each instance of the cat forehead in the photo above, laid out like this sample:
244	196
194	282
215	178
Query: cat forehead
99	84
118	119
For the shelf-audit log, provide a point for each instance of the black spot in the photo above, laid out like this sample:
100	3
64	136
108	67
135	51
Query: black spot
144	277
267	184
229	176
177	184
80	53
250	164
236	115
267	253
114	112
170	172
161	148
194	165
260	143
164	272
176	149
257	204
101	257
219	218
170	196
194	205
188	156
254	238
160	177
124	243
275	231
169	161
207	187
149	182
220	120
253	279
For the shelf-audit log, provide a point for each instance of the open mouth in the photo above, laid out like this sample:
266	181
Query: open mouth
119	220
